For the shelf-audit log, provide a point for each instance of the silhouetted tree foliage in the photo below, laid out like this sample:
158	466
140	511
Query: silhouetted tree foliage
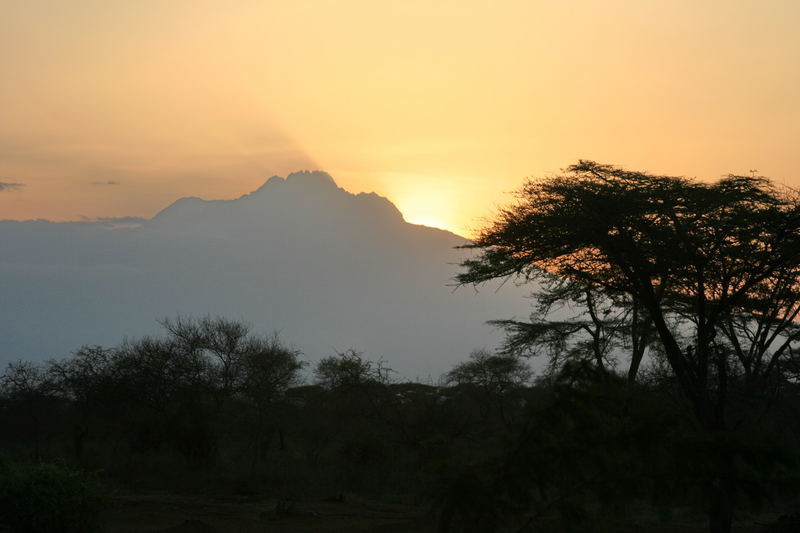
597	326
211	406
29	391
47	498
495	377
350	369
713	266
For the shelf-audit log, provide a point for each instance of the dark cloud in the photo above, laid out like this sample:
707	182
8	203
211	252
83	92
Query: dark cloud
120	220
107	182
10	185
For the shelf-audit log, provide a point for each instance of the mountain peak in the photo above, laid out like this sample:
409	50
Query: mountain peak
304	179
316	177
304	197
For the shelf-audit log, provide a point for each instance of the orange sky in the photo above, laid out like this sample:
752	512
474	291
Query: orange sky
118	107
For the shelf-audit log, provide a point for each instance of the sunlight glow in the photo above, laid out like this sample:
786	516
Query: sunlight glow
443	107
430	221
427	200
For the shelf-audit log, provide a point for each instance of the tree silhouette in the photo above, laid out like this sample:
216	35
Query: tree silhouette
698	257
31	391
494	376
349	369
600	323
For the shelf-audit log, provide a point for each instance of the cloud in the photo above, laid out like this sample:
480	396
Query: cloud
108	182
120	220
10	185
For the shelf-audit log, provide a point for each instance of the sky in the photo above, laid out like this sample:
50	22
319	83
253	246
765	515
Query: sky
117	108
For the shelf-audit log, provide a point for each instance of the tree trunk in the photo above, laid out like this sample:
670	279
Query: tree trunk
37	456
79	437
636	360
257	444
720	508
720	513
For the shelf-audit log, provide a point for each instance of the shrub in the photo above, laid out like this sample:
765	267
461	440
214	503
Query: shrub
48	499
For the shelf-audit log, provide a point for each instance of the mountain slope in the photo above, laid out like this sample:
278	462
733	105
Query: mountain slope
326	268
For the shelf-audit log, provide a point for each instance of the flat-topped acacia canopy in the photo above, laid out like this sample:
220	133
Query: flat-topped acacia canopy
702	251
721	260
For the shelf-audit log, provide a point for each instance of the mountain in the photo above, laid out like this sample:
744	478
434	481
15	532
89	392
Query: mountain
327	269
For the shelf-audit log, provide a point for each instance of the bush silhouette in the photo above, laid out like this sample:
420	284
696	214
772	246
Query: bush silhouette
48	499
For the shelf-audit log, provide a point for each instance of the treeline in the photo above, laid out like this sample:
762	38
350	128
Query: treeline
211	406
212	401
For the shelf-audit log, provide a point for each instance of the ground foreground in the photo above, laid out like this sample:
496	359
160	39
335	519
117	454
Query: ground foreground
162	513
192	514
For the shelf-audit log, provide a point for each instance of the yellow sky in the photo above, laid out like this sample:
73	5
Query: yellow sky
442	106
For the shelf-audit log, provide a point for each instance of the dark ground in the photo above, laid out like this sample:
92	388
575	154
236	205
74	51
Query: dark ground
192	514
168	513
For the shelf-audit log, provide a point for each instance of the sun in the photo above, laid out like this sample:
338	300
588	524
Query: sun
426	200
423	219
424	209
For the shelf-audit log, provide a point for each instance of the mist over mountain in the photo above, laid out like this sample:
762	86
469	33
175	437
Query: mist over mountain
328	269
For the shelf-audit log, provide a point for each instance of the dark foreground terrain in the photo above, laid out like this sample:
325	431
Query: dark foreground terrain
212	429
170	513
191	514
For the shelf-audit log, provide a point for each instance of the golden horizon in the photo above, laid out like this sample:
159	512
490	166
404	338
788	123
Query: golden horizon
117	108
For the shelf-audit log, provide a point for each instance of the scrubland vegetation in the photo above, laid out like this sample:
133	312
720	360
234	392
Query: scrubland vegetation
211	409
666	310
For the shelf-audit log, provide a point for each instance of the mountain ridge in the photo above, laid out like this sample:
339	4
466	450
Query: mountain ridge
329	269
323	199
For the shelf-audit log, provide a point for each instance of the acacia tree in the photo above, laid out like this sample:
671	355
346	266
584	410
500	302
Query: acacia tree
28	389
494	376
349	369
226	342
90	379
246	367
267	369
598	323
720	261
